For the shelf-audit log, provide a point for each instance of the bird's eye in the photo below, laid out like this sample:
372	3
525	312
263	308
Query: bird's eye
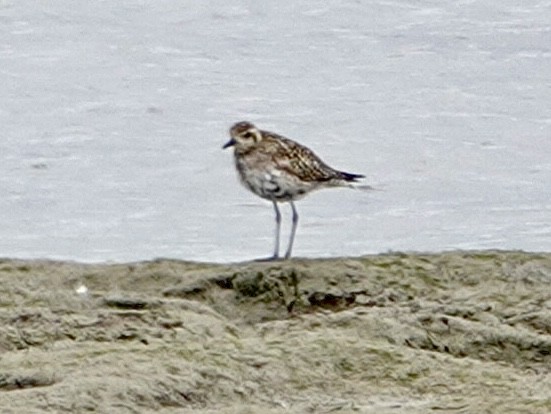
247	135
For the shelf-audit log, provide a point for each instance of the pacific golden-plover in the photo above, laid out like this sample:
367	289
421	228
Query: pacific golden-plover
280	170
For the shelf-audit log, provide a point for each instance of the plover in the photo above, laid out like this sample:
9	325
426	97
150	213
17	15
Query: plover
280	170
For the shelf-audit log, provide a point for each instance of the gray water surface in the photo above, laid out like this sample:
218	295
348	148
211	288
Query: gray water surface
112	117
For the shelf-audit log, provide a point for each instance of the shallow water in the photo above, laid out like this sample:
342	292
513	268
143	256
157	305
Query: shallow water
113	116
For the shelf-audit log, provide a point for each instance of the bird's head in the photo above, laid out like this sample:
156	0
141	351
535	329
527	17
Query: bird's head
243	135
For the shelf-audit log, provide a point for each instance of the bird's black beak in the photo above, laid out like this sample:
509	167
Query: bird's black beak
230	143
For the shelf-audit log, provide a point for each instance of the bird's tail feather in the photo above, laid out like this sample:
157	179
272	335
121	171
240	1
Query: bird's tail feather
353	178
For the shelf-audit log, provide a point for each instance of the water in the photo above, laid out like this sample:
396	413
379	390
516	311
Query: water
113	115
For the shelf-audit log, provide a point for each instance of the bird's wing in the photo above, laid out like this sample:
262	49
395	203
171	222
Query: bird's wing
301	161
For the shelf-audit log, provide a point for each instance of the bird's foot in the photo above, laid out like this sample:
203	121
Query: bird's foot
273	258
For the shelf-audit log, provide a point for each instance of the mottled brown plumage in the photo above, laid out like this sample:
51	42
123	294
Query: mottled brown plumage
280	170
299	160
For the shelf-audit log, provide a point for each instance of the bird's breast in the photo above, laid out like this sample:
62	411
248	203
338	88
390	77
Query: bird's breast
270	183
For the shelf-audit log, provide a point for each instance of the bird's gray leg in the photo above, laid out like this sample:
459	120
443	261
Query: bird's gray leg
293	231
278	228
277	231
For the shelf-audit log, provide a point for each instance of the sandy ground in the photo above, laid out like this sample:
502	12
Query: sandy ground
460	332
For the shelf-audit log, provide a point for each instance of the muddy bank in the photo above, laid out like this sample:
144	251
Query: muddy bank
462	332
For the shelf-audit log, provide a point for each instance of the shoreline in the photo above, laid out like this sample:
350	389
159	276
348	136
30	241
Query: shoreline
394	332
107	262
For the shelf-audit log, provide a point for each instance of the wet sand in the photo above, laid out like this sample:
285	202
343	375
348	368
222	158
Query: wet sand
458	332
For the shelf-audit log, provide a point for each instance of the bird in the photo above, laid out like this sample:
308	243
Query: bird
281	170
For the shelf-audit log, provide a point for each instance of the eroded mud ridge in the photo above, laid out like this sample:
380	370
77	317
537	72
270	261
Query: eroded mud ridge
396	333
